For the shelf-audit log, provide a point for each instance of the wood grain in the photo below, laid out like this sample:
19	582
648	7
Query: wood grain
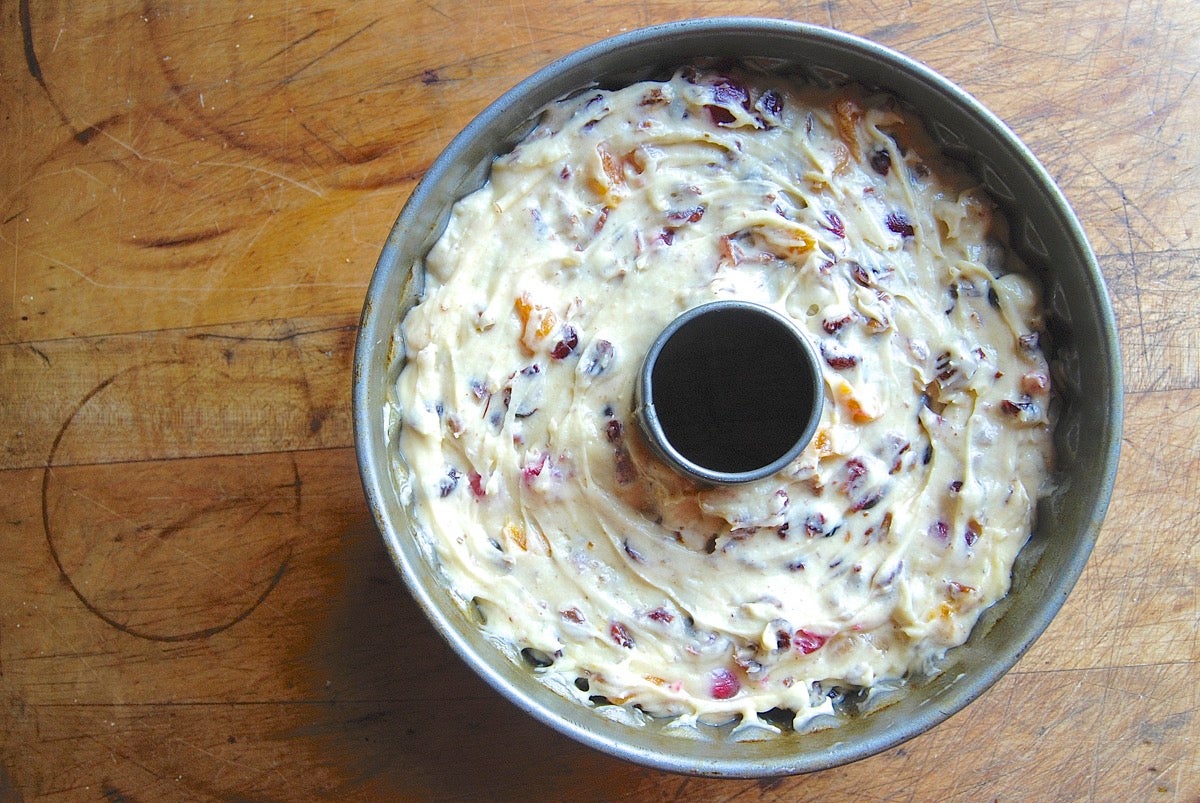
194	602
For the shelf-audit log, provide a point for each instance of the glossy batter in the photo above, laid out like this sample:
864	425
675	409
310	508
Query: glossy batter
621	583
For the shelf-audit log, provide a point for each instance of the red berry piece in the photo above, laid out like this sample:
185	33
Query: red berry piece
723	684
808	642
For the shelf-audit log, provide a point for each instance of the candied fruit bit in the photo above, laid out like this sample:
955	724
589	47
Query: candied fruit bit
848	115
537	321
973	531
808	642
940	531
515	533
621	635
611	174
573	615
845	396
723	684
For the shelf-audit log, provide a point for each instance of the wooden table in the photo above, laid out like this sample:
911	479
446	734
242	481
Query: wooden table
194	602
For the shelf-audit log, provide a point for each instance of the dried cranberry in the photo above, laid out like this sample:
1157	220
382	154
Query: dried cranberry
833	326
855	471
572	615
899	224
614	430
666	236
476	482
837	356
771	102
808	642
1015	408
727	92
563	348
621	635
940	531
869	501
661	615
532	470
723	684
692	215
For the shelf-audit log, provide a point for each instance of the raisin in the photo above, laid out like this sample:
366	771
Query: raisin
834	223
449	482
881	162
727	92
859	274
808	642
771	102
899	224
602	356
633	554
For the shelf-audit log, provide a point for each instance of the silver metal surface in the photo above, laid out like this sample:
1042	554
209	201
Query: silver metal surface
1047	234
797	393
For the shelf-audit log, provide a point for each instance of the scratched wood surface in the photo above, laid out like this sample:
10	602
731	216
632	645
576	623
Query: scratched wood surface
194	603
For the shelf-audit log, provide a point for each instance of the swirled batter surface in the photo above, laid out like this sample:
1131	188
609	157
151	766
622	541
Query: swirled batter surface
619	581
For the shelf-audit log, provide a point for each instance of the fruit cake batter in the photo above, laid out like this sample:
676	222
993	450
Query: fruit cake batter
620	582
